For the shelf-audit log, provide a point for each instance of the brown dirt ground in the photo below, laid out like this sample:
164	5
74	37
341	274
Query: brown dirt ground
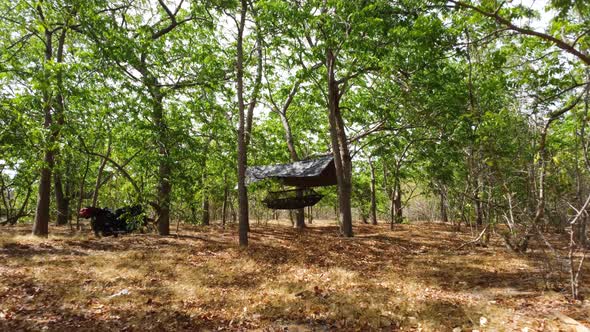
412	278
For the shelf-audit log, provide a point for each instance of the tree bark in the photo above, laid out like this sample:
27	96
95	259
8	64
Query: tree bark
443	204
399	213
41	223
565	46
224	208
373	194
164	173
4	192
81	198
61	201
242	146
300	213
342	159
205	203
478	205
391	209
205	209
164	168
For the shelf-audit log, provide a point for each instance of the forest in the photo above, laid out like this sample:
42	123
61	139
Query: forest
294	165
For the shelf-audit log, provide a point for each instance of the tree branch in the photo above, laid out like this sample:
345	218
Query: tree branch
547	37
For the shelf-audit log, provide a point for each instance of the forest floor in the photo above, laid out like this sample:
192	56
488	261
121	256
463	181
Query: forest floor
412	278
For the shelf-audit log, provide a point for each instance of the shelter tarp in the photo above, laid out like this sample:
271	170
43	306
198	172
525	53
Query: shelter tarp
304	173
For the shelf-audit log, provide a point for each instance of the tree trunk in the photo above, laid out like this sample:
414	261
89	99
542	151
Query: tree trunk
205	209
81	198
373	194
443	205
224	208
4	192
391	208
163	141
69	193
205	204
41	223
390	192
342	159
164	168
242	146
164	189
300	214
300	219
399	214
61	201
478	205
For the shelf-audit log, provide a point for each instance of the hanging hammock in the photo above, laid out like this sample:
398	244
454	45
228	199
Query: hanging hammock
291	199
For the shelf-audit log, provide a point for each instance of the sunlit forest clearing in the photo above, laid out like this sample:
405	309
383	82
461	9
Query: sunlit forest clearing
412	278
286	165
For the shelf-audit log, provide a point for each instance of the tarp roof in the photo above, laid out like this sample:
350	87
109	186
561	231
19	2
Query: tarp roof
304	173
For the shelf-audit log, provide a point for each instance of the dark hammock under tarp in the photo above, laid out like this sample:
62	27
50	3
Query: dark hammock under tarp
302	174
291	199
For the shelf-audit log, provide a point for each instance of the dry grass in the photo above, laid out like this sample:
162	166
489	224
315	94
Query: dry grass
410	279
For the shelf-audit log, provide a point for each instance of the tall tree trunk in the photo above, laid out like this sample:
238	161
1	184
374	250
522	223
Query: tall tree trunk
224	207
342	159
242	146
164	169
69	193
81	198
540	211
391	208
164	163
61	201
4	192
399	213
41	223
300	214
390	192
205	210
478	204
373	194
205	203
443	204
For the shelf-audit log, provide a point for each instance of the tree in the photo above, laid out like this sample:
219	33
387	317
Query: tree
153	56
40	30
245	119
